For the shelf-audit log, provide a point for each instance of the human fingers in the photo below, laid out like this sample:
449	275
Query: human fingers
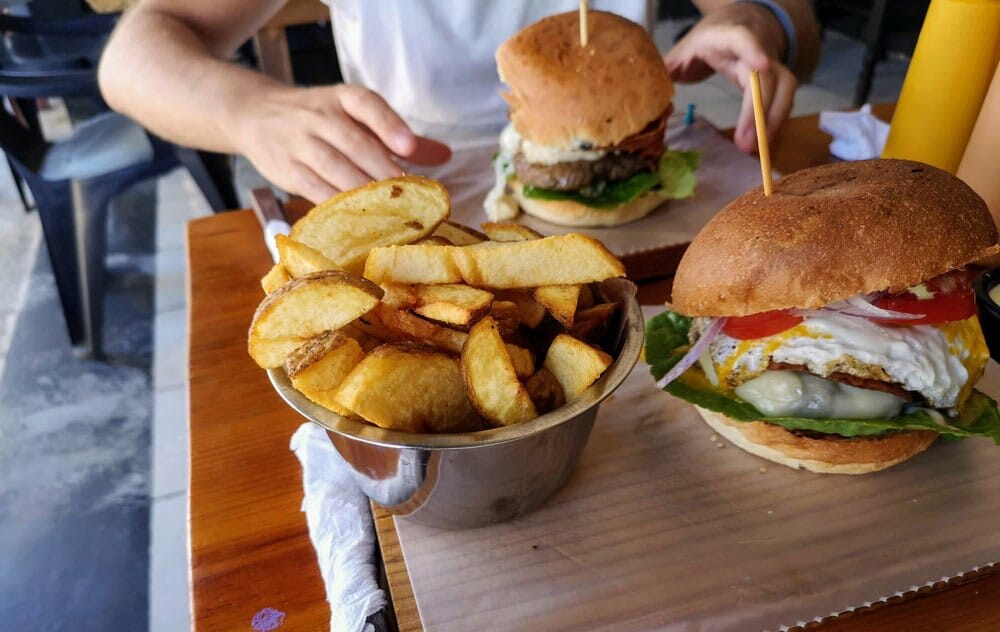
331	165
429	152
305	182
371	110
782	99
362	147
745	135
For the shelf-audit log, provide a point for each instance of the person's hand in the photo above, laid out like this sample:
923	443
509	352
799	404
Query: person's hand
318	141
731	41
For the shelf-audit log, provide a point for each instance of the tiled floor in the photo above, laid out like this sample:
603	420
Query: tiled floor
178	200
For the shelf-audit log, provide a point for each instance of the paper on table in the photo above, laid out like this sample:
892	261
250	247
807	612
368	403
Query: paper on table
660	528
856	135
724	173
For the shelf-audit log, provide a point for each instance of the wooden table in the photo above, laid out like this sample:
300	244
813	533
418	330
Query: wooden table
249	545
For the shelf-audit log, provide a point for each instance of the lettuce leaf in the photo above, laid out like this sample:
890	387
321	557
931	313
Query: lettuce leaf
676	172
674	179
667	341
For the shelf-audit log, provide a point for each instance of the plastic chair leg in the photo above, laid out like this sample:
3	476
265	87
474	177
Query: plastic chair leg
55	210
91	201
212	175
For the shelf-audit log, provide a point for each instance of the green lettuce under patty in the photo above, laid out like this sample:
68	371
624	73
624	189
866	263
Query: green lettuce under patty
674	179
667	342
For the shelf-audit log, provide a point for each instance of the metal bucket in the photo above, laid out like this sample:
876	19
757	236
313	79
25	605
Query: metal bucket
464	480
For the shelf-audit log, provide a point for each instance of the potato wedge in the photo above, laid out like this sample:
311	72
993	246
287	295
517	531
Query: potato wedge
560	301
531	311
306	307
318	367
455	305
592	323
545	391
275	278
299	259
562	260
507	317
388	212
459	234
575	364
409	388
397	324
509	231
490	379
587	296
360	334
435	240
400	296
523	360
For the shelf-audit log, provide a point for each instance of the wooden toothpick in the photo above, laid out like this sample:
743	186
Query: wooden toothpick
761	124
583	24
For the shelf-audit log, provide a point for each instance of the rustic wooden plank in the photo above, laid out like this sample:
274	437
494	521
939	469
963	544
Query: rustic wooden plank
249	544
403	602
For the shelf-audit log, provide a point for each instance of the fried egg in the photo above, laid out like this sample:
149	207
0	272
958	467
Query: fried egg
939	362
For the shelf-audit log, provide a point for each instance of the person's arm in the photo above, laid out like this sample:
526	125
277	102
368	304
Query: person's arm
803	22
165	66
734	37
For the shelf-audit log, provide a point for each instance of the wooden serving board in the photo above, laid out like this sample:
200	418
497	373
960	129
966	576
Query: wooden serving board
649	247
662	527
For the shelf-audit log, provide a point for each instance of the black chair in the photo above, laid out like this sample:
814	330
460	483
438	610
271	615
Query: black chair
74	181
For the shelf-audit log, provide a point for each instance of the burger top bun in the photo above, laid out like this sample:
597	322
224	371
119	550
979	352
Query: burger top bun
832	232
561	92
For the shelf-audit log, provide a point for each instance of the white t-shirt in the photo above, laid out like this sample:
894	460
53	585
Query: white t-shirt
432	60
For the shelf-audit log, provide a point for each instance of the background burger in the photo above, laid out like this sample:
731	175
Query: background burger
585	145
831	326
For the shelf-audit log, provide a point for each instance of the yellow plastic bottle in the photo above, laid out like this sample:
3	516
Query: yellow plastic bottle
950	72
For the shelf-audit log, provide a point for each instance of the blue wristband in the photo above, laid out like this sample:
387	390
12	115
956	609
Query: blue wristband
785	20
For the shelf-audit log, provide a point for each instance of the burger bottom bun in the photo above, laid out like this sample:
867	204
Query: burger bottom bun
568	213
833	455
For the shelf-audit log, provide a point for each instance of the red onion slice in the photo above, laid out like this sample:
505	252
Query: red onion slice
862	307
710	333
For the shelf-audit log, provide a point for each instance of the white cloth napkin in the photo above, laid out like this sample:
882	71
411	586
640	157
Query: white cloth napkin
274	228
856	135
341	530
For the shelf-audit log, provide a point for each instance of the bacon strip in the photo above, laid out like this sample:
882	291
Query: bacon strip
851	380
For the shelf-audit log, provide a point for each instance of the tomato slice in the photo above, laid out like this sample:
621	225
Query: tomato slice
760	325
957	304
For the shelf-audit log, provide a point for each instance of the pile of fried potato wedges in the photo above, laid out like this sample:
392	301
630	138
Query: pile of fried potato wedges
382	310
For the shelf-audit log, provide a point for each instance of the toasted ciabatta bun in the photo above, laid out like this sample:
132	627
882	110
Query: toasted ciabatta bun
562	93
833	232
832	454
567	213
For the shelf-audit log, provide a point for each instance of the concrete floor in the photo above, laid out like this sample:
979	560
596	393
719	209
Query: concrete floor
75	446
93	457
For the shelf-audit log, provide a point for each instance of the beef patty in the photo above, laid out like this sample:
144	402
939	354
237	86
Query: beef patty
639	152
571	176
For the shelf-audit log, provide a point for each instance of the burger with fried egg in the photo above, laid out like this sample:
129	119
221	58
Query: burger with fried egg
585	145
831	326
